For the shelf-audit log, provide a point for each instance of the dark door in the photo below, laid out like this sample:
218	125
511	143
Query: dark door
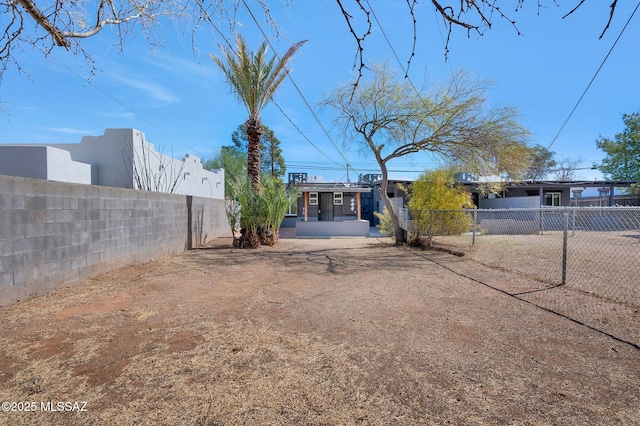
326	206
366	201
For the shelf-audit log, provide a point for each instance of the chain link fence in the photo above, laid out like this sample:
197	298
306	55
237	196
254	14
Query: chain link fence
581	262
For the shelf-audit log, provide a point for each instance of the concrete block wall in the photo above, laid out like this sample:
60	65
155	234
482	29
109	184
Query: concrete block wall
58	234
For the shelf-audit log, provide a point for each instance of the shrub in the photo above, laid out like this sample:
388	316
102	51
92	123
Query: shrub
385	225
436	204
260	213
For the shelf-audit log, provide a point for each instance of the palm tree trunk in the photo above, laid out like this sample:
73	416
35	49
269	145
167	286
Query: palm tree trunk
254	131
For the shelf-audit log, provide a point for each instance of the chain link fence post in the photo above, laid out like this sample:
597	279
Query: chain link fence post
430	228
475	223
565	241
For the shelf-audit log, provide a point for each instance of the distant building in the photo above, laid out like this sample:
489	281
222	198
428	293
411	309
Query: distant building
465	177
371	177
533	194
120	158
297	178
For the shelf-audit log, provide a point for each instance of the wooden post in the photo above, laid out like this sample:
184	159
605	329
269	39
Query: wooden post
359	205
305	197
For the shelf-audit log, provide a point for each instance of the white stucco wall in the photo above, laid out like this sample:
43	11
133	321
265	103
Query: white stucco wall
163	173
108	154
120	158
42	162
23	161
208	183
61	168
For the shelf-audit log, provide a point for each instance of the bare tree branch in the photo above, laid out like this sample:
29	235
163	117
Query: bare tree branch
472	16
44	22
358	38
612	11
45	25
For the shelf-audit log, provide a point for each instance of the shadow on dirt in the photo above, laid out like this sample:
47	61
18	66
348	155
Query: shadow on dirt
337	258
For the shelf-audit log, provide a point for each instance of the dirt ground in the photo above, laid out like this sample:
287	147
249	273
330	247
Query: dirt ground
603	263
315	332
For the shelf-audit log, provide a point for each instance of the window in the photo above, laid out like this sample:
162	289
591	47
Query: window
552	199
313	198
337	198
293	208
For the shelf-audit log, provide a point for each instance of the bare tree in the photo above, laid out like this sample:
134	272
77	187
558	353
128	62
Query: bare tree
566	169
45	25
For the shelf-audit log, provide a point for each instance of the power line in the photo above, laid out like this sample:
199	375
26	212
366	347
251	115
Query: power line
354	168
594	76
122	104
305	136
406	71
286	115
347	165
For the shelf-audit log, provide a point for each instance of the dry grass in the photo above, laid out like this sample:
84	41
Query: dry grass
309	332
600	263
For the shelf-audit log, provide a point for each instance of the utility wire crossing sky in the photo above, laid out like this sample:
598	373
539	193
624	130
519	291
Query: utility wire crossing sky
569	86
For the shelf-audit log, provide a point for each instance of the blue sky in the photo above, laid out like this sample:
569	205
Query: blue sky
179	99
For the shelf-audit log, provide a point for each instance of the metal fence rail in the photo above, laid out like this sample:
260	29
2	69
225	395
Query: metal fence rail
577	252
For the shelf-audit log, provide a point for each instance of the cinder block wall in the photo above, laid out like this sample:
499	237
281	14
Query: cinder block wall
58	234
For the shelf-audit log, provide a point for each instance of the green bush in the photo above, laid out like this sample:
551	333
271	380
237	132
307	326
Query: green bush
436	204
385	225
260	213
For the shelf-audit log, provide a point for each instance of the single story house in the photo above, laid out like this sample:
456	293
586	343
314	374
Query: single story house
330	210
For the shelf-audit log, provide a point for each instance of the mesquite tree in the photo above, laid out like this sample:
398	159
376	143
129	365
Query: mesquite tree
391	118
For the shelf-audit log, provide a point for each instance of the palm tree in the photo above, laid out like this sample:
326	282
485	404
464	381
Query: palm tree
254	78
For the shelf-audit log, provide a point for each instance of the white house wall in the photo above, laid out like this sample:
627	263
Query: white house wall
42	162
23	161
109	155
164	173
195	178
61	168
115	158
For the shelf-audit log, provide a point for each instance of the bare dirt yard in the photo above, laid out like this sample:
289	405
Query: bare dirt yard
315	332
